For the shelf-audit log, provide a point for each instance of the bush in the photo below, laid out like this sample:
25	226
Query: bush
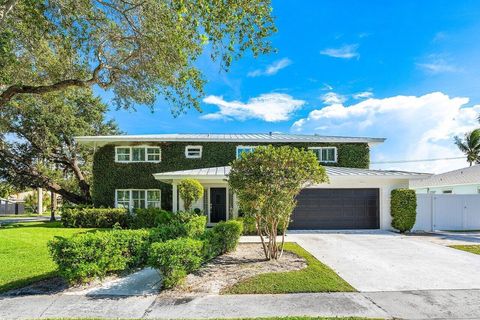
403	208
94	217
193	227
249	227
149	218
176	258
190	190
94	254
222	238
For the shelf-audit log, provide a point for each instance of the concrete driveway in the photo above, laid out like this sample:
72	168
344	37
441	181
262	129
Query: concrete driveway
385	261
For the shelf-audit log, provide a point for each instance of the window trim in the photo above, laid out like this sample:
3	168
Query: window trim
130	199
243	147
194	157
138	147
335	152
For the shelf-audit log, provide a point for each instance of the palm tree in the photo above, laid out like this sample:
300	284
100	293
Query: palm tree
470	146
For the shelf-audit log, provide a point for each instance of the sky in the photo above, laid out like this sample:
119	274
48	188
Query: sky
407	71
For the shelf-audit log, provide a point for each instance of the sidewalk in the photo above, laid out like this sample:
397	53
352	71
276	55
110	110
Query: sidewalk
438	304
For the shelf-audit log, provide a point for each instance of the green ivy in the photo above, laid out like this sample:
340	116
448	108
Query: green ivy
109	175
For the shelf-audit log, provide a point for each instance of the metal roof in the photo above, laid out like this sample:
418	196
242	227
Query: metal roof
227	137
468	175
222	173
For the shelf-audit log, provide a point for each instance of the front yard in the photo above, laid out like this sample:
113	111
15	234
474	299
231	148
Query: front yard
469	248
24	256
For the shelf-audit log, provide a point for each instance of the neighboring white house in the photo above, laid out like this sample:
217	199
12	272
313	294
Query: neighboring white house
461	181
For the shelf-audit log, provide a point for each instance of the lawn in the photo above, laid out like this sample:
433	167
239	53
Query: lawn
316	277
270	318
24	256
469	248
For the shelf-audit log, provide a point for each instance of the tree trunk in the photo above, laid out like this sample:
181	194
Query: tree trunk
82	183
53	205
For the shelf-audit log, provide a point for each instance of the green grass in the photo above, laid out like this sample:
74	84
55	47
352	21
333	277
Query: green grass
316	277
469	248
19	216
270	318
24	256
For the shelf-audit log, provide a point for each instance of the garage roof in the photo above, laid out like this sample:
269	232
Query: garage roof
464	176
222	172
228	137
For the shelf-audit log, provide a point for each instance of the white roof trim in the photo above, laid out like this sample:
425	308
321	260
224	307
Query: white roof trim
463	176
217	173
216	137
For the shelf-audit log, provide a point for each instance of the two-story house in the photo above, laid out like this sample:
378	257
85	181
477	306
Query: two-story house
144	170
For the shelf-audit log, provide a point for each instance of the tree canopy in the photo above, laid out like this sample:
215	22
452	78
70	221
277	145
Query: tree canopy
139	49
470	146
37	148
190	190
266	182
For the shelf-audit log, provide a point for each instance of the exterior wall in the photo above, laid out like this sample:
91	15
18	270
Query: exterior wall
385	186
109	175
458	189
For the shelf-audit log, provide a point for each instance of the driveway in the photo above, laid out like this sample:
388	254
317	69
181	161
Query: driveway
385	261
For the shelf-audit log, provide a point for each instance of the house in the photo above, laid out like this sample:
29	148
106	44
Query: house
144	170
460	181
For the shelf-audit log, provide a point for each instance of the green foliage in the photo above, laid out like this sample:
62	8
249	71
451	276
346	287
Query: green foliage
85	217
31	201
94	254
266	183
138	49
222	238
190	190
149	218
109	175
249	227
182	225
470	146
176	258
41	151
6	190
403	207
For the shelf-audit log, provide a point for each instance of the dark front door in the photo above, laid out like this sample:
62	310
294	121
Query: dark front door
336	209
218	204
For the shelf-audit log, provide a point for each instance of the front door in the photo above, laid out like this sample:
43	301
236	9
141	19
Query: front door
218	204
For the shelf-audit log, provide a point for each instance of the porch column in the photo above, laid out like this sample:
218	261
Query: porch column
174	197
40	200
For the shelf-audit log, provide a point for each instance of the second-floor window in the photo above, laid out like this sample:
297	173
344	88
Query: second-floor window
325	154
244	149
193	152
138	154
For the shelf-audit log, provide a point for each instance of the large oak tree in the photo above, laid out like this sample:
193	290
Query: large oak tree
37	148
139	49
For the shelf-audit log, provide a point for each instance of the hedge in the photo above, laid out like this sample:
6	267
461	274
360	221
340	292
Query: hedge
82	217
149	218
222	238
109	175
403	207
92	255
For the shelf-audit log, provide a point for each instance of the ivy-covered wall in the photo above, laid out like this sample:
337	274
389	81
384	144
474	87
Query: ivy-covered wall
109	175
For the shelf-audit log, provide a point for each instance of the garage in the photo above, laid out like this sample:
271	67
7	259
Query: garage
329	209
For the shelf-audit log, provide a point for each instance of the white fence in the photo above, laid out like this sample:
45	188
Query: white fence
448	212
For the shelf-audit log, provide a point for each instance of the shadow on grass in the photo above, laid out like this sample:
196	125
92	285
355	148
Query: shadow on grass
47	283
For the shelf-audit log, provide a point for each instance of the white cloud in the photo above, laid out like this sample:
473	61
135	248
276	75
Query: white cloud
333	98
345	52
270	107
435	64
271	69
416	127
363	95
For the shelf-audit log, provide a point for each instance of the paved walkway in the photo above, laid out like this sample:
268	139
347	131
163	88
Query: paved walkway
438	304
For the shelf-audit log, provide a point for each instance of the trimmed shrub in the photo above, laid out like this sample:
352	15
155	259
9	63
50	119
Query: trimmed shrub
94	254
94	217
190	190
176	258
149	218
222	238
249	227
403	208
193	227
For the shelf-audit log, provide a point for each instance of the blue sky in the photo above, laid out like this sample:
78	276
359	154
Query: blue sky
404	70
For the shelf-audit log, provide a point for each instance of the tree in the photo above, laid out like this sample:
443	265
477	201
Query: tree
31	200
136	48
6	190
266	183
37	148
470	146
190	190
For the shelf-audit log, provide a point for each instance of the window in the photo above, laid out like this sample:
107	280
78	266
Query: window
244	149
447	191
138	199
193	152
138	154
325	154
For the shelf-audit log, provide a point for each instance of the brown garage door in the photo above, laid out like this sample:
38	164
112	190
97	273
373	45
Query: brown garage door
336	209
